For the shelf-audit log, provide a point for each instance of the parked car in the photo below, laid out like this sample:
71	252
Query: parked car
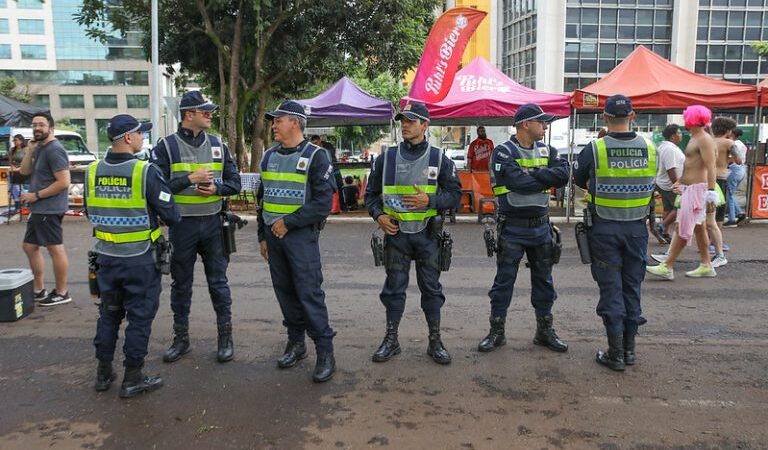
459	158
78	153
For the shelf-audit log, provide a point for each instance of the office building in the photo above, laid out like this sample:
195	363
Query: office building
558	46
81	80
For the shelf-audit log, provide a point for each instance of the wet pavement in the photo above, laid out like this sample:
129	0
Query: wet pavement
701	381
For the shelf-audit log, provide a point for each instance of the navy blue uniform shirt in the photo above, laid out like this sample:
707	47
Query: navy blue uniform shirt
230	178
511	175
584	167
322	185
448	194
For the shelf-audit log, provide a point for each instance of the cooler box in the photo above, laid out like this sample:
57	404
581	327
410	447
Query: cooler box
16	296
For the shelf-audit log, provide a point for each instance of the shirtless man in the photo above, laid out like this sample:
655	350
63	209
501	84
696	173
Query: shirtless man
722	129
698	197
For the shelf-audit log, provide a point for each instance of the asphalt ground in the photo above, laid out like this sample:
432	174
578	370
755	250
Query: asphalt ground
700	381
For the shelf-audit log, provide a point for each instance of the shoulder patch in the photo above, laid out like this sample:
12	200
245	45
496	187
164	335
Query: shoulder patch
164	196
544	151
497	167
302	164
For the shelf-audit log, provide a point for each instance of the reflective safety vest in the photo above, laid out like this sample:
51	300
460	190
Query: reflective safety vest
399	177
538	156
285	181
625	172
185	159
117	208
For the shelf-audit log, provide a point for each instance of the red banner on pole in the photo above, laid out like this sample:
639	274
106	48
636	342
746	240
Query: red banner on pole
442	53
760	193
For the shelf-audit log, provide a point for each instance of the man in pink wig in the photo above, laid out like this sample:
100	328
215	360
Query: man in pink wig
697	197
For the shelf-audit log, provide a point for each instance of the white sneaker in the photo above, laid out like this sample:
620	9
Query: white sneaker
719	261
660	257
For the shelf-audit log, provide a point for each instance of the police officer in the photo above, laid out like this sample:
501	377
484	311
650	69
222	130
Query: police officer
619	171
295	197
409	185
522	171
200	172
124	197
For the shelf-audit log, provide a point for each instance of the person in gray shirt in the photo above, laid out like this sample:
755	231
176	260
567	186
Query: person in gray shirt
47	163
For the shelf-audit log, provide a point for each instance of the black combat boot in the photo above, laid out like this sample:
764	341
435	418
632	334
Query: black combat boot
294	352
180	345
226	349
104	376
629	344
496	337
389	346
324	368
135	383
614	357
436	349
546	336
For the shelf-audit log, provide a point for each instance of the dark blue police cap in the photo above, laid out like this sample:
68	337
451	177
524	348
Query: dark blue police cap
288	108
414	111
195	100
122	124
617	106
531	111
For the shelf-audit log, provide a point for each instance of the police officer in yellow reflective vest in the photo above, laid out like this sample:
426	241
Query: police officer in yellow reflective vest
124	198
408	188
522	171
618	171
200	172
296	197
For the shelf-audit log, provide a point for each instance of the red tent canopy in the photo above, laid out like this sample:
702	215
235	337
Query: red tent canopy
763	86
655	84
481	94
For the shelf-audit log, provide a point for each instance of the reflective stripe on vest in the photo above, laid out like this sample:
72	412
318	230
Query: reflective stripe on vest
117	208
625	172
399	177
535	157
185	159
285	181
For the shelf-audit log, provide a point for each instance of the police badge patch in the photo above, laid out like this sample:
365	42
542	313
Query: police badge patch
216	152
302	164
544	151
432	173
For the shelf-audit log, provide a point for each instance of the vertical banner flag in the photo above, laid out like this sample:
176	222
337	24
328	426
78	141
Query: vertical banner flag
442	53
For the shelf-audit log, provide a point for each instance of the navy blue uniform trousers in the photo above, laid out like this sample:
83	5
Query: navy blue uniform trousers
138	281
422	248
294	263
192	236
513	242
618	265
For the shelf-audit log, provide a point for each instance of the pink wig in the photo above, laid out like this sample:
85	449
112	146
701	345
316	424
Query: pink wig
697	116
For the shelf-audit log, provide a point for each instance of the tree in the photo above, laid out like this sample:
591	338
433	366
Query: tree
253	53
10	88
761	47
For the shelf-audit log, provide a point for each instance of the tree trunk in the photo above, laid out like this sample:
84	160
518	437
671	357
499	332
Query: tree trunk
234	77
258	135
222	93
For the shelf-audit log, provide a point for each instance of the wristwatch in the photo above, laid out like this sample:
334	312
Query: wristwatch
37	195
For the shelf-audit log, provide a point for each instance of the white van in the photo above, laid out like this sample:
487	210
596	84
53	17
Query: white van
78	153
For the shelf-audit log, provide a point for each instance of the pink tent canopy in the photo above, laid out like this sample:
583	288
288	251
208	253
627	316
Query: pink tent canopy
482	95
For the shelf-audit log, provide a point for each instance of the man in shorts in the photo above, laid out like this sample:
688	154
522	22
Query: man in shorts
47	163
697	200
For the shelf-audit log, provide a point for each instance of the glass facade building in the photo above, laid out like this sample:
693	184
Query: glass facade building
519	41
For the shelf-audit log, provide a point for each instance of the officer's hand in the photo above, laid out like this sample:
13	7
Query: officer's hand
418	200
201	175
207	190
387	224
279	229
264	252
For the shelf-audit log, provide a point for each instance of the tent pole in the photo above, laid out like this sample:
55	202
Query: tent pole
756	141
569	187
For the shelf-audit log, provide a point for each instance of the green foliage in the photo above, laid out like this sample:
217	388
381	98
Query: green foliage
761	47
269	49
10	88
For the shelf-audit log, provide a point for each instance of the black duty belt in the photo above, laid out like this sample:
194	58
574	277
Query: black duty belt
528	222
